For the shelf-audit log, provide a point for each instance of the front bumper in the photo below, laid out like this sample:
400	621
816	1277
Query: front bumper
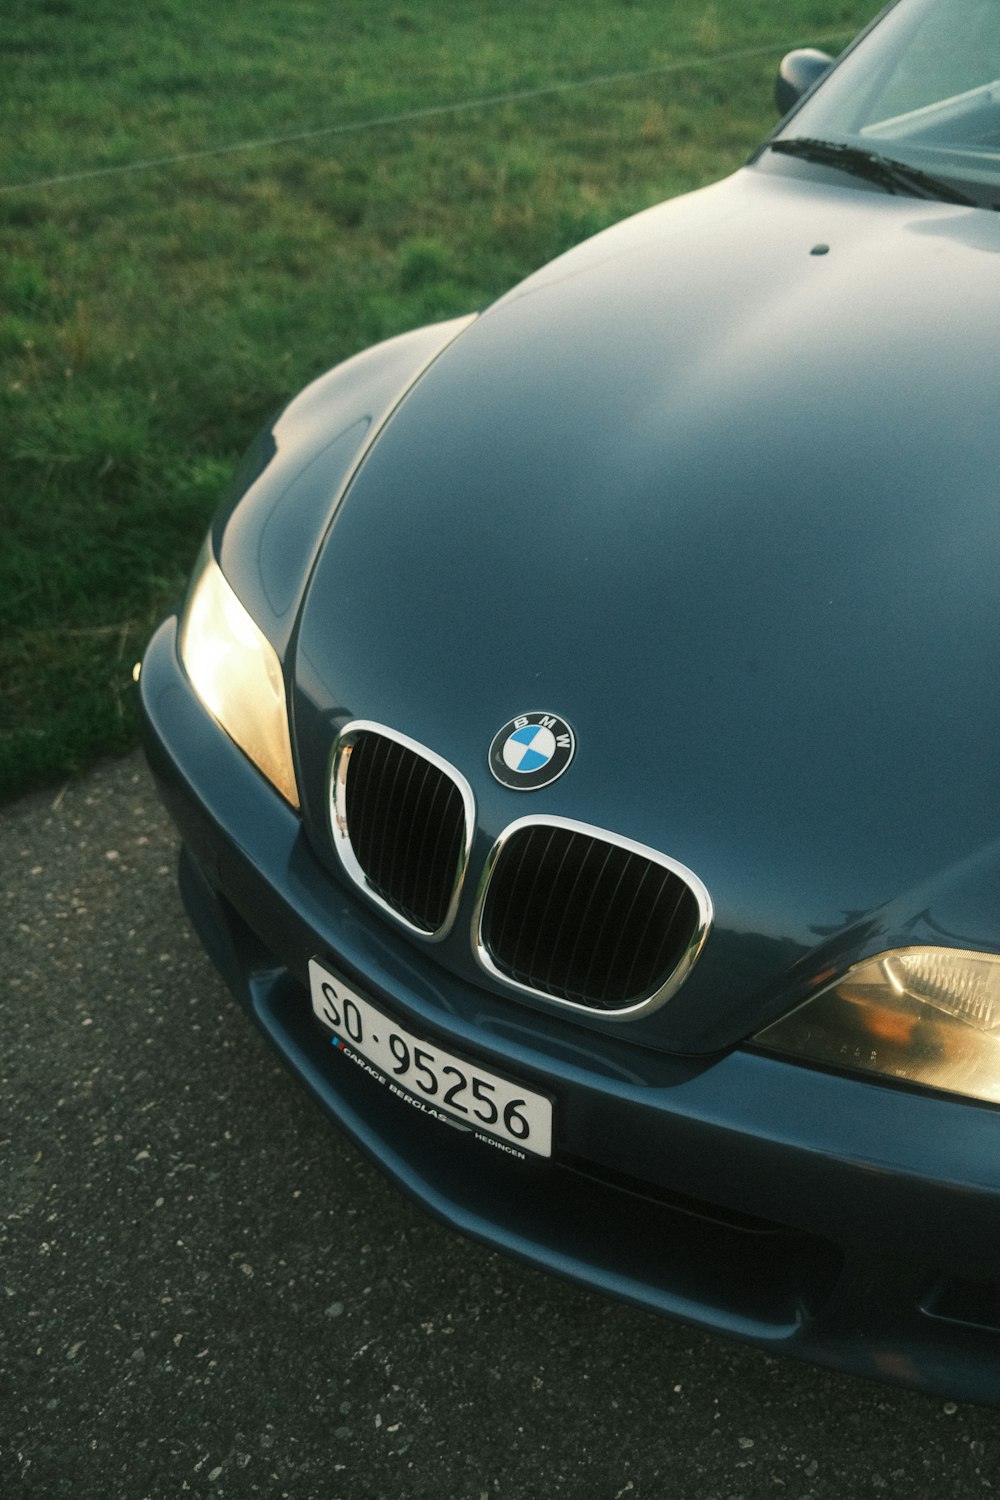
810	1213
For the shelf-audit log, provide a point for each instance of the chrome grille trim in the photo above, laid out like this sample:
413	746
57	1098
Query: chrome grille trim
644	1003
340	761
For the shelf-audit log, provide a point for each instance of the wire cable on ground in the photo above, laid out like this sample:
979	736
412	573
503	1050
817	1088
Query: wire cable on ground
404	117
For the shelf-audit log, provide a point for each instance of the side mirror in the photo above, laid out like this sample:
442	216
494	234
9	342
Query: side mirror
798	72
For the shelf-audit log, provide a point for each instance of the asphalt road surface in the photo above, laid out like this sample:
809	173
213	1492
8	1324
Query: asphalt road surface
205	1290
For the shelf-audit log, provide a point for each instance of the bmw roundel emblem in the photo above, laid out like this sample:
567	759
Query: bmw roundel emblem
531	751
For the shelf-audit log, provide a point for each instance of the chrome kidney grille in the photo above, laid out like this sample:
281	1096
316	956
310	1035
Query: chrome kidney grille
566	912
581	916
402	822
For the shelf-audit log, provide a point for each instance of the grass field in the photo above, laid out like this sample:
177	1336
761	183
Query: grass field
150	319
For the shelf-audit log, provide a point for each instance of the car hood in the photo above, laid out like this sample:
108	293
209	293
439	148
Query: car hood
719	488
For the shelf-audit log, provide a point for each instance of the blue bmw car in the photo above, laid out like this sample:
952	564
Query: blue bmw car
582	731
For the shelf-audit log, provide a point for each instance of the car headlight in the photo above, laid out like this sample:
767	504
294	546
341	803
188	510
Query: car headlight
235	671
926	1015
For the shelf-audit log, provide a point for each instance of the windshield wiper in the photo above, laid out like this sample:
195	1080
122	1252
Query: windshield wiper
894	176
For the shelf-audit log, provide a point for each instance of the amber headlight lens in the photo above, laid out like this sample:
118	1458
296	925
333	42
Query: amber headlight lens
927	1015
235	671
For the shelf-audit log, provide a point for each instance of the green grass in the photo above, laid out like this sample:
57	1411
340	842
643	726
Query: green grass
150	320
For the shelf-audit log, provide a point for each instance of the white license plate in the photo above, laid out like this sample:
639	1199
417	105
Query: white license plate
491	1107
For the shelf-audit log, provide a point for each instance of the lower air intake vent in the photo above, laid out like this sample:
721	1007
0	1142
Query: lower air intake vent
402	820
577	915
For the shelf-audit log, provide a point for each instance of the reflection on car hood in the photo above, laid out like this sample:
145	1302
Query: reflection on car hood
726	501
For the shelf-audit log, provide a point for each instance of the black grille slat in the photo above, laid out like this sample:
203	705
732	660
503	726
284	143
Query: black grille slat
625	926
643	911
427	825
416	834
401	874
364	754
387	850
675	913
405	821
564	955
555	902
622	887
448	831
526	875
529	901
582	918
585	931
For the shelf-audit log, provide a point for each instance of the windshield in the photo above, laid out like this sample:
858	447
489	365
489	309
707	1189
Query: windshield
923	89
